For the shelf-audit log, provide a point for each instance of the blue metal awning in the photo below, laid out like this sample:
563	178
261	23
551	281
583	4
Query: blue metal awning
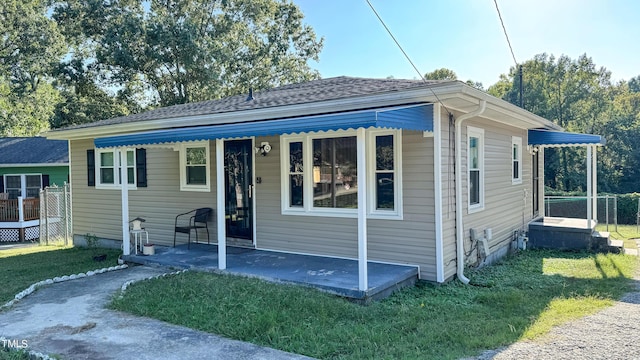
559	138
415	117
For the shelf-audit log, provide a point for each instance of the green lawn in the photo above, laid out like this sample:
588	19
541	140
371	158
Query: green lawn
19	268
625	232
522	297
11	354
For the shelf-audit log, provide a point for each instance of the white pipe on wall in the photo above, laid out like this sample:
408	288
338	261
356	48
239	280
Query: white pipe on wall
459	223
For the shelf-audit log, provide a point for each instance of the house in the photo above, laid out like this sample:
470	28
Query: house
27	165
434	174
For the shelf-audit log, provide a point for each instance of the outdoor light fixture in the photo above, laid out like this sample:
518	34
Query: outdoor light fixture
264	148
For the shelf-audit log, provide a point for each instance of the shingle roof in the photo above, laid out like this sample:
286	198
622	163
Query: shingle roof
308	92
33	150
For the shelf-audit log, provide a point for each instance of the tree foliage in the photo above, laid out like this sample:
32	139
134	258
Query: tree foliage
448	74
186	51
30	45
441	74
580	97
69	62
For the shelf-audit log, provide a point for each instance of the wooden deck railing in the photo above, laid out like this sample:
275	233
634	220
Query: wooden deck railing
9	210
31	209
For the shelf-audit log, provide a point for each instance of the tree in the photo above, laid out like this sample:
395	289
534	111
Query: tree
441	74
84	100
30	45
634	84
191	50
572	93
448	74
621	157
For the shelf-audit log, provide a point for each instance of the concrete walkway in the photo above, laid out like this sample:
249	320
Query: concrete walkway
69	319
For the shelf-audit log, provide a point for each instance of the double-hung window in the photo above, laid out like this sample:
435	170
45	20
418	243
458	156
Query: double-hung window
385	179
108	173
33	185
194	167
335	173
296	174
320	174
516	160
26	185
475	165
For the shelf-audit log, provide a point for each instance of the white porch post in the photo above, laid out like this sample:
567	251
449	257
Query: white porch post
594	182
220	209
363	276
589	187
20	208
124	193
541	181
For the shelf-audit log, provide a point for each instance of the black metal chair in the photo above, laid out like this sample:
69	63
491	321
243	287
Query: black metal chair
197	219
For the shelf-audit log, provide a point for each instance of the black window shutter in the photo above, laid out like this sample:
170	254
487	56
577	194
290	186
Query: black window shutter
141	167
1	184
45	181
91	167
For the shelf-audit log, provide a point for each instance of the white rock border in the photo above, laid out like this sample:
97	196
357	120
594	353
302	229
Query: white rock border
126	285
33	287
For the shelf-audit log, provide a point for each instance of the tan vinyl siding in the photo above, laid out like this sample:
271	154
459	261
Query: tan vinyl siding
505	209
407	241
507	206
98	211
410	241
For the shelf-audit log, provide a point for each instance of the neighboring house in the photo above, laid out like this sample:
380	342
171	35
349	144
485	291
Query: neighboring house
393	171
27	165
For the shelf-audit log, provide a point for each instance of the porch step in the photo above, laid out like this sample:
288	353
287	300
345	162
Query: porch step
601	241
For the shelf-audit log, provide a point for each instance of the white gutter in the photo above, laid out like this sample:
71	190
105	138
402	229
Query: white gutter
459	222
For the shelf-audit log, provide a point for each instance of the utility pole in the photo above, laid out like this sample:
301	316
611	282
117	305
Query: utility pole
520	75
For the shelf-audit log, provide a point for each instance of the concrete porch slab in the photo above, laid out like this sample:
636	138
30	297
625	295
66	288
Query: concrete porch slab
336	276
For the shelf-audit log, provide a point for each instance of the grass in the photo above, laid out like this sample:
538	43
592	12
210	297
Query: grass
520	298
625	233
21	267
11	354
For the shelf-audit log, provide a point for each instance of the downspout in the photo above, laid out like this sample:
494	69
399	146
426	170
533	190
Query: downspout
459	224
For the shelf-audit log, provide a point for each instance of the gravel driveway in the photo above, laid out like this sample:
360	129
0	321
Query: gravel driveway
612	333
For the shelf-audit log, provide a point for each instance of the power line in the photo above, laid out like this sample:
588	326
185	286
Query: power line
407	56
505	32
518	67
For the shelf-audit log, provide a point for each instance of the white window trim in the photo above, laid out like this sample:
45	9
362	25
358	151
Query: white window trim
284	167
116	166
479	133
23	182
372	212
183	167
307	145
516	141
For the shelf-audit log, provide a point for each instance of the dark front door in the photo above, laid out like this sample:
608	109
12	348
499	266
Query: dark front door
536	183
238	171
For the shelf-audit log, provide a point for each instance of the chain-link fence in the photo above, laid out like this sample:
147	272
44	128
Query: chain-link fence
576	207
55	215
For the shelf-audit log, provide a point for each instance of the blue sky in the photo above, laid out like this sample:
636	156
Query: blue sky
466	35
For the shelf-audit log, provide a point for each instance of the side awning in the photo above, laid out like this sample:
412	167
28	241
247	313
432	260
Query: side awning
415	117
549	138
